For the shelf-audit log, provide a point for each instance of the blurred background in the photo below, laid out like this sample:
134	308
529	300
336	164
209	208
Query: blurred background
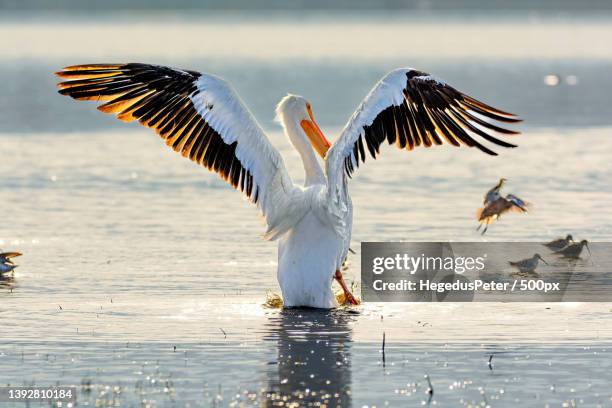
546	61
498	5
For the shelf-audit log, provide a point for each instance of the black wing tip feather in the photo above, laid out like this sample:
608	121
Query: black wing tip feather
159	97
503	116
432	112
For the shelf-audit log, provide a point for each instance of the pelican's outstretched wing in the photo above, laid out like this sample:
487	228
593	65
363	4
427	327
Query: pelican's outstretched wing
409	108
199	116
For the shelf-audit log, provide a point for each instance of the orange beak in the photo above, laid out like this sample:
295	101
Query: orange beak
316	137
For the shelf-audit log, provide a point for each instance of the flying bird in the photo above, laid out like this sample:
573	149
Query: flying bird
560	243
495	205
493	194
201	117
528	265
574	250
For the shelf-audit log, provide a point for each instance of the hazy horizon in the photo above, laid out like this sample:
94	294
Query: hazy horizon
354	5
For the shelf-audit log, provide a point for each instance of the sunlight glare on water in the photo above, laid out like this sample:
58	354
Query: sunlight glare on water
145	274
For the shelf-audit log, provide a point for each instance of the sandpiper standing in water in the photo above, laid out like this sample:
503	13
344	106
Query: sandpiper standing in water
528	265
5	268
574	250
560	243
5	257
6	264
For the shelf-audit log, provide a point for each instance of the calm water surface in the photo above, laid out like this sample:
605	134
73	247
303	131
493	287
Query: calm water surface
143	275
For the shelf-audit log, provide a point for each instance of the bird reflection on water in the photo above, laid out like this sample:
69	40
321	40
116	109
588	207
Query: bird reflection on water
313	365
7	282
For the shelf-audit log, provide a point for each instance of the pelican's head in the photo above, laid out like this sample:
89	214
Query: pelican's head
502	181
295	111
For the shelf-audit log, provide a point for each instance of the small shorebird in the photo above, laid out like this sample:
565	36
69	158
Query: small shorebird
202	118
5	257
560	243
528	265
495	205
493	194
5	268
574	250
6	264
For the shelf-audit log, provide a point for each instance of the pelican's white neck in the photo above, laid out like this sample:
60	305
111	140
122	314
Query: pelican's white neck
290	112
312	169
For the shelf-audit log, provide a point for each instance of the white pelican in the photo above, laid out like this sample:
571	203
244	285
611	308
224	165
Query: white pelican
201	117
